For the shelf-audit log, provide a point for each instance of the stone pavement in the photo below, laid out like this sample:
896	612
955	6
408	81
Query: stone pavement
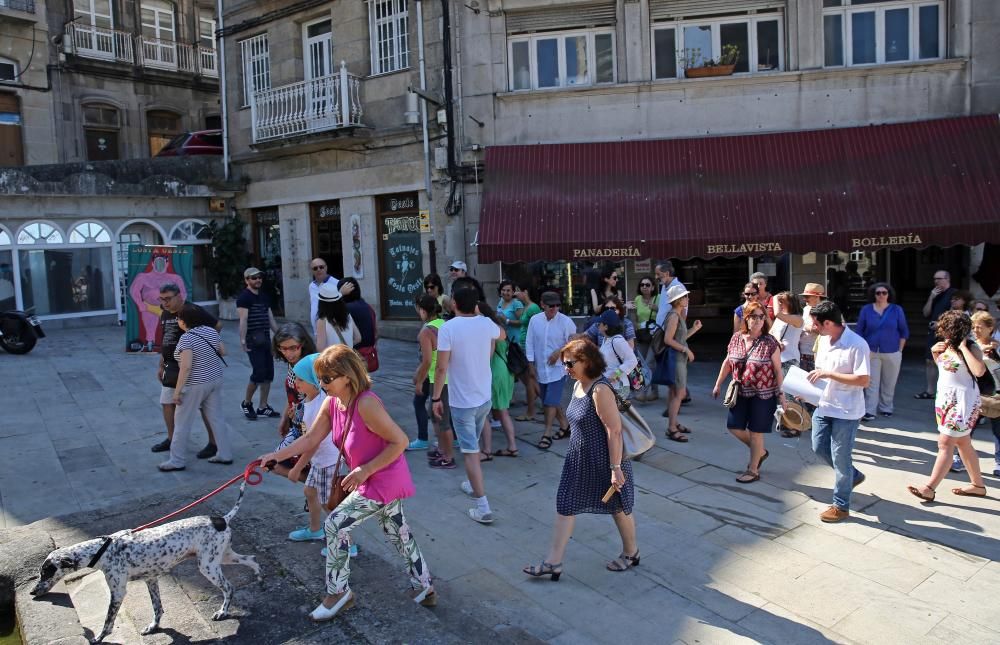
721	562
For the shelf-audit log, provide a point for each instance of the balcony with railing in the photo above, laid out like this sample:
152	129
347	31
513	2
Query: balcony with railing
208	62
317	105
157	53
89	41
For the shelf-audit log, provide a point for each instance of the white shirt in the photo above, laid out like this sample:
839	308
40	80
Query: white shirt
612	349
327	454
545	337
789	335
664	306
849	355
469	339
807	337
314	298
332	338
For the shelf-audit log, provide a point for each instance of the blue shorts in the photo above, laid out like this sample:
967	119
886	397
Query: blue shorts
261	364
468	425
752	413
552	392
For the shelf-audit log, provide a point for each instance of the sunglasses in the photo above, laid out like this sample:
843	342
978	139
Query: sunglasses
749	294
569	364
317	268
326	380
646	284
881	293
552	306
256	277
453	269
289	348
756	317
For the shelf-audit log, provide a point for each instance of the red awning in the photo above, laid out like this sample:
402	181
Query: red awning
931	183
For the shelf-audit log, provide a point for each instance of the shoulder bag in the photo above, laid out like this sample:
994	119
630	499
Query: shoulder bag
337	492
636	378
644	334
637	437
217	352
370	354
517	361
733	390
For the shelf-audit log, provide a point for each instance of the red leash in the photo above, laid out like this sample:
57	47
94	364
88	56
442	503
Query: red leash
249	473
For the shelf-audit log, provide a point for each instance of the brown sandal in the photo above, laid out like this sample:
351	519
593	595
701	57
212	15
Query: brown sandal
748	477
677	435
962	492
916	492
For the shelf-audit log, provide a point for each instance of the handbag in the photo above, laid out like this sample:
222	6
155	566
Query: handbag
517	360
170	373
257	338
645	333
733	389
337	492
989	406
657	342
666	365
370	354
637	437
636	378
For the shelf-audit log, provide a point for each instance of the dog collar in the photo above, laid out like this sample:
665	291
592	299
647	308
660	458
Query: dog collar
100	552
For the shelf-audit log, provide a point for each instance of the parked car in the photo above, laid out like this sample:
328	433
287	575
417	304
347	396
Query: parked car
201	142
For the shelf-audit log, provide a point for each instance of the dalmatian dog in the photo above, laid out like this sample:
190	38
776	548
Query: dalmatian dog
148	554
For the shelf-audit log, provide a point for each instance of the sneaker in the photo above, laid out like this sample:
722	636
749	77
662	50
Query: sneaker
169	466
417	444
887	414
207	451
424	597
495	424
268	411
996	471
442	464
467	488
957	466
305	535
868	417
834	514
163	446
481	517
248	411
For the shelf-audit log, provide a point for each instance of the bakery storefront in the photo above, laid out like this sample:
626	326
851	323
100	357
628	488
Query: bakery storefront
843	207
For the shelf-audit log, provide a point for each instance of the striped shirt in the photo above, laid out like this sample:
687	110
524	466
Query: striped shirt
258	306
206	366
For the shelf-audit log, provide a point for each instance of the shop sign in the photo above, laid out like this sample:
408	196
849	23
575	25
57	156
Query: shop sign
747	248
888	240
401	264
425	221
393	225
399	203
643	266
620	252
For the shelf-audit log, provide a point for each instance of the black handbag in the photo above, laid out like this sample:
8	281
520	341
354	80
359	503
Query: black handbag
258	338
517	360
170	373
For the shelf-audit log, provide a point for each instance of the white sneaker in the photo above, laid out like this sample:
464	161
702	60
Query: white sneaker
495	424
479	516
322	614
467	488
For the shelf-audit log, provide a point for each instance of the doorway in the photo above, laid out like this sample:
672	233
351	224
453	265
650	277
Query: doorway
327	238
267	249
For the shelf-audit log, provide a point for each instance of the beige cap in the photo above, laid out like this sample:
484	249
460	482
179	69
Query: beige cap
252	271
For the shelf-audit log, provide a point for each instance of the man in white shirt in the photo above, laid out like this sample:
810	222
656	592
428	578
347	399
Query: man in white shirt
464	347
547	333
317	266
842	362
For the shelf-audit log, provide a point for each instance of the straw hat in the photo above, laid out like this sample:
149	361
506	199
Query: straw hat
813	289
795	417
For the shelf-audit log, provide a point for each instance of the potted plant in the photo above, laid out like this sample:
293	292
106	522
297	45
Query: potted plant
697	67
228	261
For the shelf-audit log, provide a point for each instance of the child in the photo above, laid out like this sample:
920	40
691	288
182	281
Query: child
323	460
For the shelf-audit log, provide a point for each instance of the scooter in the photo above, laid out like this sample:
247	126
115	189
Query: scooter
19	331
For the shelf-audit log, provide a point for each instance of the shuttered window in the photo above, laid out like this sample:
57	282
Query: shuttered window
682	9
563	18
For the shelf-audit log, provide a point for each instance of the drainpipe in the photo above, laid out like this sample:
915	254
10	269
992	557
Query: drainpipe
448	91
221	62
423	104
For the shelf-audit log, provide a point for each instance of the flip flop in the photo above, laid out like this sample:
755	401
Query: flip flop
763	458
561	434
916	492
961	492
505	452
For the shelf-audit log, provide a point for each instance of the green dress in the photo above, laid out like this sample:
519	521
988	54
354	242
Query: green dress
503	380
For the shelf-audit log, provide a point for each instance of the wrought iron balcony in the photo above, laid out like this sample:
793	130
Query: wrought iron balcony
157	53
317	105
27	6
89	41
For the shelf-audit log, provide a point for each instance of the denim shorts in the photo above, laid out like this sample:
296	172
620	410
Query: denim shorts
552	392
468	425
752	413
261	363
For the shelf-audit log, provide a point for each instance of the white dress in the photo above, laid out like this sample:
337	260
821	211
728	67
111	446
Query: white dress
956	405
332	338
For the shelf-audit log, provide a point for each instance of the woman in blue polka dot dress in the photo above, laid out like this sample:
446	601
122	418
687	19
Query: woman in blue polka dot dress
594	462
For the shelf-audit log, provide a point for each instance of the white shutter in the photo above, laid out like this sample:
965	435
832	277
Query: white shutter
573	17
678	9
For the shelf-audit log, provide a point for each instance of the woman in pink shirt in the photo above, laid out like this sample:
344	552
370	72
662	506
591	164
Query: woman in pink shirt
378	481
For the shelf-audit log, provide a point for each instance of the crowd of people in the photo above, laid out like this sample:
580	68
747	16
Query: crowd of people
338	440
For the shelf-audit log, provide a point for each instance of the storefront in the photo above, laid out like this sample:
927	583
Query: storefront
842	207
400	254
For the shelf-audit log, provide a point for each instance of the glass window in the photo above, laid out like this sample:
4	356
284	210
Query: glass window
162	127
768	43
197	234
930	38
736	35
833	40
39	233
665	53
4	238
389	28
206	29
576	60
7	300
62	281
256	66
897	35
697	44
547	58
520	56
157	20
863	37
604	49
89	232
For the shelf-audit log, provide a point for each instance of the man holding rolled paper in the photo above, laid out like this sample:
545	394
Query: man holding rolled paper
842	370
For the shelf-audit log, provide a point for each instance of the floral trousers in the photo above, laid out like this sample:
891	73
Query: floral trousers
355	509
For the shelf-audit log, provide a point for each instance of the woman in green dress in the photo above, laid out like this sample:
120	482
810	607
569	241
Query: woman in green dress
502	392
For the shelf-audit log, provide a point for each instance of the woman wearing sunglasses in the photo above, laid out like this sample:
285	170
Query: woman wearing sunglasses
750	293
754	361
594	463
645	307
883	325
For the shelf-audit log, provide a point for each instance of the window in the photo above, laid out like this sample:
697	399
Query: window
89	232
873	32
39	233
93	21
11	143
759	40
8	70
317	46
94	13
7	297
66	279
161	128
158	20
567	59
389	29
206	29
197	234
101	124
256	66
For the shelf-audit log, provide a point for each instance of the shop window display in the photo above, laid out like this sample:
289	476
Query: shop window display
197	234
66	280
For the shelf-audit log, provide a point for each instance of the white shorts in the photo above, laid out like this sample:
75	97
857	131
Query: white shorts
166	395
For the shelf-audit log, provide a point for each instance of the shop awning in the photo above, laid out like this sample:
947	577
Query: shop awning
930	183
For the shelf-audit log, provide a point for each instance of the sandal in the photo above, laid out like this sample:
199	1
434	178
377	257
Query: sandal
544	569
762	459
923	395
676	435
748	477
919	493
524	417
964	492
485	457
684	429
562	434
623	562
505	452
545	442
791	434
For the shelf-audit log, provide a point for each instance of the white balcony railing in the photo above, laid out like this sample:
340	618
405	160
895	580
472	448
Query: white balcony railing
316	105
97	42
207	64
157	53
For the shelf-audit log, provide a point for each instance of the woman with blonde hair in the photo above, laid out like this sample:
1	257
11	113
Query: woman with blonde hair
357	422
982	329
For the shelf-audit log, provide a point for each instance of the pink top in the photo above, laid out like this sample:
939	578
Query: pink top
387	485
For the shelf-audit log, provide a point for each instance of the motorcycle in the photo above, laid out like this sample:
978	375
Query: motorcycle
19	331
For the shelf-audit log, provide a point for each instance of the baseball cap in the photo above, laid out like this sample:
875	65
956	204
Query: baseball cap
551	298
252	271
329	292
458	264
609	318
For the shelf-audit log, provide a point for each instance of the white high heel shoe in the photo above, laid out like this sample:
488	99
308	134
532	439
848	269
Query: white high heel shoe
322	614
